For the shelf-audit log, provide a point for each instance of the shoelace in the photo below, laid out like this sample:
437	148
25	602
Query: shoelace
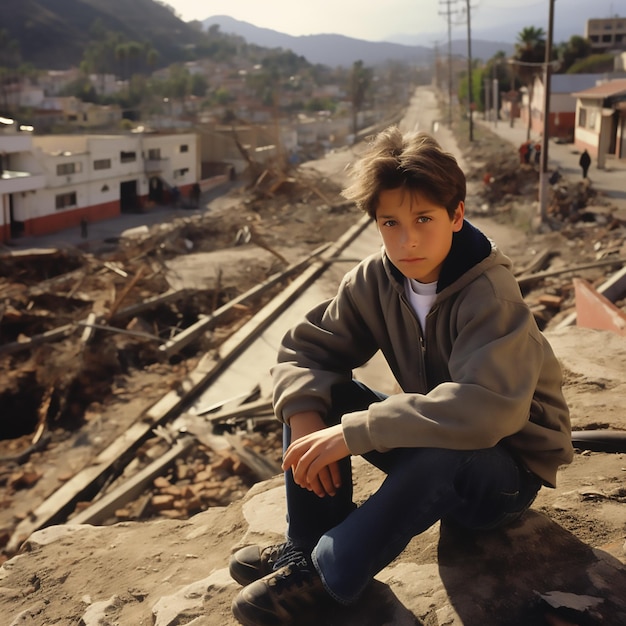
290	555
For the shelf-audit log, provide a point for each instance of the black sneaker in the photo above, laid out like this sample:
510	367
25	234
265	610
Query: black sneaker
283	598
252	562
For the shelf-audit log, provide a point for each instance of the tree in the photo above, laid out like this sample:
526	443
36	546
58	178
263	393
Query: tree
10	58
572	51
360	82
530	52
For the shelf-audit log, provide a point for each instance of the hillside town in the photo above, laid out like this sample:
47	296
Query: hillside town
68	162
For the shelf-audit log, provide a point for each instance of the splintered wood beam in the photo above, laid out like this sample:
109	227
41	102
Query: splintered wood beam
150	303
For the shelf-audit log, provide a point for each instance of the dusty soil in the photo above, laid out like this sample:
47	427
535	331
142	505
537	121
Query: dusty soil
79	414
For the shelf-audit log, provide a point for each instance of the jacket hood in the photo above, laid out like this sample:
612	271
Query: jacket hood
472	253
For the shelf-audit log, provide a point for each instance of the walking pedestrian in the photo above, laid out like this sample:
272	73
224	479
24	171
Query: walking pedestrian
584	162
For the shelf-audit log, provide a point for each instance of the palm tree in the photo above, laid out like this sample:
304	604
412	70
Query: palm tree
530	51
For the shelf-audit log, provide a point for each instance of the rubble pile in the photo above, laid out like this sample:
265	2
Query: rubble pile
81	328
204	477
585	229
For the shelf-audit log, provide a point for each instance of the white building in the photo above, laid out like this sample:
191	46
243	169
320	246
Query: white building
58	181
606	34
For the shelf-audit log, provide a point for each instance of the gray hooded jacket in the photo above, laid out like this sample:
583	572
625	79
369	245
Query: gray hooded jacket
479	374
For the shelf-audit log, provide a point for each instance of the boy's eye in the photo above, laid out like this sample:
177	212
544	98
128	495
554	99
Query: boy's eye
389	223
423	219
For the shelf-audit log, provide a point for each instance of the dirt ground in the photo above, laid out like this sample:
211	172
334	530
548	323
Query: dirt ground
73	398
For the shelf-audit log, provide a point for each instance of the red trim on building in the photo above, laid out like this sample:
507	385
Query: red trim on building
70	219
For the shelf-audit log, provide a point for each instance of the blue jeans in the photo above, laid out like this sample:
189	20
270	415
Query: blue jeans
476	489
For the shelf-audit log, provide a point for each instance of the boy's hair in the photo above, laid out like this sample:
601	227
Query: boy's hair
414	161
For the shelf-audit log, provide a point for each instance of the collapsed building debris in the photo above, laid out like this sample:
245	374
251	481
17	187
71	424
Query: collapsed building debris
79	328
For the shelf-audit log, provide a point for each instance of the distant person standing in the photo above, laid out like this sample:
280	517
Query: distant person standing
195	194
584	162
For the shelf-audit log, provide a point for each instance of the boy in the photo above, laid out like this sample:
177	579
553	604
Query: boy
480	425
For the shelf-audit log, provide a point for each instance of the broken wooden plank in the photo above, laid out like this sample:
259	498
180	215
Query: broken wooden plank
127	289
105	507
113	268
263	467
531	278
539	261
244	410
151	303
121	331
185	337
88	329
51	335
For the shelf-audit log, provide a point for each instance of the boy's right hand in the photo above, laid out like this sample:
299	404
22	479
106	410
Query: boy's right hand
303	424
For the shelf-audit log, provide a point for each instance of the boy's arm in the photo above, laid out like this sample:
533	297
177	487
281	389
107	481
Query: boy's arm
313	455
320	352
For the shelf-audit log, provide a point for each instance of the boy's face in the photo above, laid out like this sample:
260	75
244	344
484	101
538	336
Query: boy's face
416	233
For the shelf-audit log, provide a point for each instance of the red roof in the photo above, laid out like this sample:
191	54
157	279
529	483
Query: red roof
604	90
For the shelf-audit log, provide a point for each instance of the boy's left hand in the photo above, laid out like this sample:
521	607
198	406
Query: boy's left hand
309	455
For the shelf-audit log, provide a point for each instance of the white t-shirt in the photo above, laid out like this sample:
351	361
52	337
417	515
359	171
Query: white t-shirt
421	297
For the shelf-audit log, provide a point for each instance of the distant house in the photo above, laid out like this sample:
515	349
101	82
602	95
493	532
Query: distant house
562	103
601	120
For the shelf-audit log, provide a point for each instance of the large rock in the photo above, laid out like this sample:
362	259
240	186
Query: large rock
170	573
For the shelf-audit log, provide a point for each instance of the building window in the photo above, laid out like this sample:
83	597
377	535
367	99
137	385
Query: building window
128	157
102	164
181	172
154	154
64	200
582	118
184	148
65	169
606	38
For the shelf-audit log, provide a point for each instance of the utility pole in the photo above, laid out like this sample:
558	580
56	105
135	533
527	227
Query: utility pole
543	168
469	74
448	14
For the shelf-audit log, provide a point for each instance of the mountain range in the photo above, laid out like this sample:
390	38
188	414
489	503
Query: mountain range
338	50
53	34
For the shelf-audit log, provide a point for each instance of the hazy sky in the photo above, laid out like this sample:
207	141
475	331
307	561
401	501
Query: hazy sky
377	21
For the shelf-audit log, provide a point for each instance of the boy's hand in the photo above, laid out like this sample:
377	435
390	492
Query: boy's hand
313	460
